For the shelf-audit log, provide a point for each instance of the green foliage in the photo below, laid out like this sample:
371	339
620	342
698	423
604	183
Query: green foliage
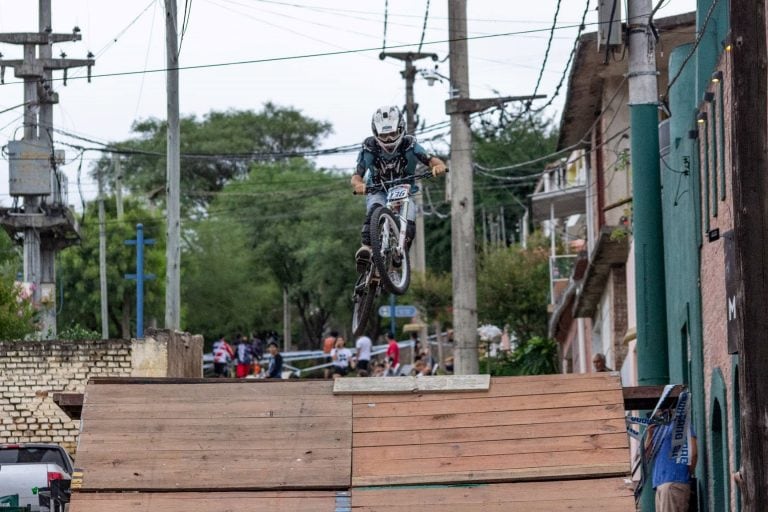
17	315
77	332
78	271
497	141
537	356
512	288
287	226
433	293
238	134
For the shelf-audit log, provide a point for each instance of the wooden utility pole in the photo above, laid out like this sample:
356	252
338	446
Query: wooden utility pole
462	201
749	139
103	261
173	228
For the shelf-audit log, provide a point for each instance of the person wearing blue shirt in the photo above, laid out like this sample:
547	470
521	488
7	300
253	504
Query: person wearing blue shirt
671	480
387	155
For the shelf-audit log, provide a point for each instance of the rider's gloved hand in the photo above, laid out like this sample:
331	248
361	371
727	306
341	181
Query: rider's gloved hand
359	188
438	170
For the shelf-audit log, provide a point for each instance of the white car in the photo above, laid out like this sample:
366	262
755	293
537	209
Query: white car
36	475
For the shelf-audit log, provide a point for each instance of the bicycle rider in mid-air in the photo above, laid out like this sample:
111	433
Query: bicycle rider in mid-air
387	155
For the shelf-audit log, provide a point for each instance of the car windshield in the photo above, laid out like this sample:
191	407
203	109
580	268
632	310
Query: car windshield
30	454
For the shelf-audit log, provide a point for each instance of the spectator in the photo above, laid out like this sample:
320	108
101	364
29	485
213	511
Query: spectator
257	345
671	480
393	349
222	357
363	345
244	357
328	344
341	357
275	370
416	342
378	369
599	363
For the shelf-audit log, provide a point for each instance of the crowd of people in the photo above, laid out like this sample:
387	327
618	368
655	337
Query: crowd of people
246	356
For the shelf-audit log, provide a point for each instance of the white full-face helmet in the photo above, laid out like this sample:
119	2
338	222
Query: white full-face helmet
388	126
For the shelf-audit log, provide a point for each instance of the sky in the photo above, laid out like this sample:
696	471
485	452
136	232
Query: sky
508	42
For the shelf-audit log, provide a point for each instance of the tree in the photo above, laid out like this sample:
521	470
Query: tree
294	228
508	139
237	138
78	271
512	288
17	314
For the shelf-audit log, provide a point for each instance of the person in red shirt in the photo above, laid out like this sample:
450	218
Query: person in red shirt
393	350
328	344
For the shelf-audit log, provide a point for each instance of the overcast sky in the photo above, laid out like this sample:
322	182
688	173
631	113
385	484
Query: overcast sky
344	89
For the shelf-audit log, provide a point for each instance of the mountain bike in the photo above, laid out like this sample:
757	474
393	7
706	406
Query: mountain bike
389	269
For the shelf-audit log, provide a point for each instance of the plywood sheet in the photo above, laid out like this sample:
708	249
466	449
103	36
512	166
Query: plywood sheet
426	384
605	494
286	501
237	436
519	430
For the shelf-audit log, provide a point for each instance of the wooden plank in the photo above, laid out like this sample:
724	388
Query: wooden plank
605	505
509	386
430	384
287	501
301	407
200	391
601	470
234	426
160	441
427	438
510	493
487	419
482	404
233	469
423	464
492	447
645	397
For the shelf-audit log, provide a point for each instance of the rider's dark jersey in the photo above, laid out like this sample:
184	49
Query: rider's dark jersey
375	164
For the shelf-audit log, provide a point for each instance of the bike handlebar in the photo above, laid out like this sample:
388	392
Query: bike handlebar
397	181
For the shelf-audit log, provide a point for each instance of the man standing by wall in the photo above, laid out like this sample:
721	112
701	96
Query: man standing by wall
671	479
363	345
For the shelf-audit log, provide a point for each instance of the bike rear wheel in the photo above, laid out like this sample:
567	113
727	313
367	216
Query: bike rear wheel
363	298
394	266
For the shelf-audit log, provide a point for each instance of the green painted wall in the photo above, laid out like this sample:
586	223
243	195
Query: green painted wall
681	206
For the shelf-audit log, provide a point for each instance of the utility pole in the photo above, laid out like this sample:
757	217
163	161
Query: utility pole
749	135
462	193
409	75
173	233
462	200
118	186
103	261
652	363
44	219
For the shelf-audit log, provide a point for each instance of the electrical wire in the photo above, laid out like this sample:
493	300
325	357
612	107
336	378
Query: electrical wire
546	53
386	15
307	55
575	47
15	107
184	23
424	28
146	61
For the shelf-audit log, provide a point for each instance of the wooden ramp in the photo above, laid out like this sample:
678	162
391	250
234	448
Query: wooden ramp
538	443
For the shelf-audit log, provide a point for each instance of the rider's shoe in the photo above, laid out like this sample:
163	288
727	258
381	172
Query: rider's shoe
363	258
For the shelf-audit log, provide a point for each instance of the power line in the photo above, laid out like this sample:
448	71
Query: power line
308	55
386	15
546	52
424	28
567	64
185	22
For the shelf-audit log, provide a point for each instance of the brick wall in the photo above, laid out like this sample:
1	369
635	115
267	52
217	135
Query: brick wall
30	372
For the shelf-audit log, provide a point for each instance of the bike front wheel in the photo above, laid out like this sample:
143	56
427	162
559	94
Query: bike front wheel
391	261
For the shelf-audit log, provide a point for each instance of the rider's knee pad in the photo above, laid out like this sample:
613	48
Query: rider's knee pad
410	230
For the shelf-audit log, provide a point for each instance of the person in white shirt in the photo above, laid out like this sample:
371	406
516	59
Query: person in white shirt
363	345
341	357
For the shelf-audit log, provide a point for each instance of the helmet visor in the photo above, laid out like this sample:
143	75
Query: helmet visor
389	137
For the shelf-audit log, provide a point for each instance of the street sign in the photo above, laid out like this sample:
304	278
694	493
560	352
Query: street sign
400	311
